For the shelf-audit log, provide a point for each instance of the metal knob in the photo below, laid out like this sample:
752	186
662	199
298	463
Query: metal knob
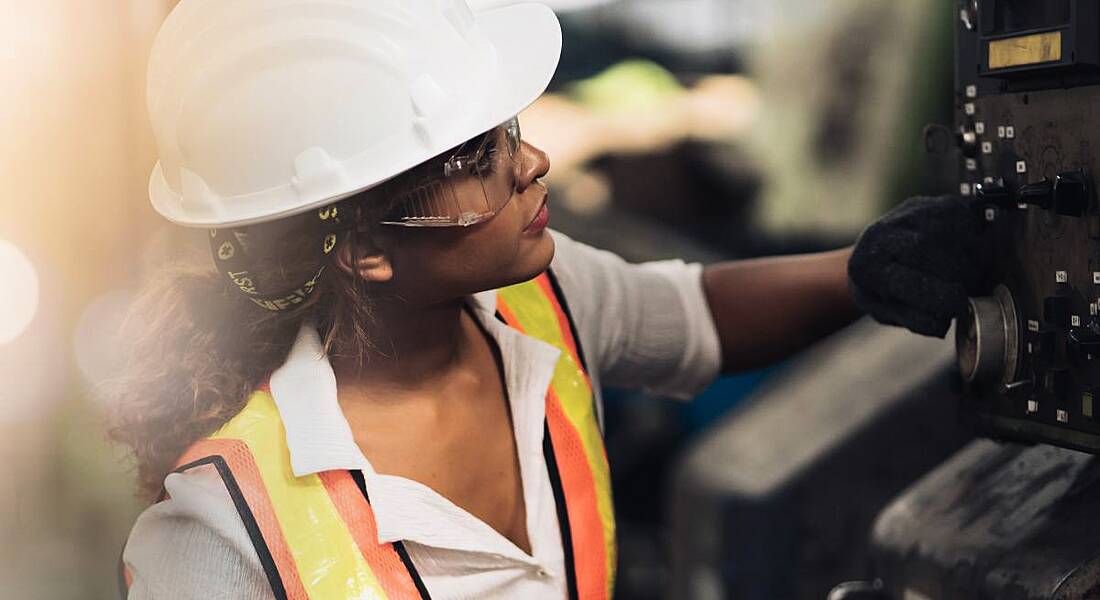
987	341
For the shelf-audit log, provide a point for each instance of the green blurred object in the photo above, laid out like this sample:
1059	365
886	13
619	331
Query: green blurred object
72	507
632	86
844	104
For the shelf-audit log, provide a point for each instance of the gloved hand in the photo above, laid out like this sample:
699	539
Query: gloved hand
916	266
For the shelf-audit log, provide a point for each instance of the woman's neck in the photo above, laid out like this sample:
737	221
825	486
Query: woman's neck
411	348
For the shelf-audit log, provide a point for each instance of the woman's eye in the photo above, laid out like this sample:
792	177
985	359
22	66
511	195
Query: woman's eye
488	160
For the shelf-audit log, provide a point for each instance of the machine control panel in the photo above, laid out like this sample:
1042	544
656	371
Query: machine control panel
1028	132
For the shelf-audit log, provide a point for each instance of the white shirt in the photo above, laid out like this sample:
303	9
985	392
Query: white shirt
640	326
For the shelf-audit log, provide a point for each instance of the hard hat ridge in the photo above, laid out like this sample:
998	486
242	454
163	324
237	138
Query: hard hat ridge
266	108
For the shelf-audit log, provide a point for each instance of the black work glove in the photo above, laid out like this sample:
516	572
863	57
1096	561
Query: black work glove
916	266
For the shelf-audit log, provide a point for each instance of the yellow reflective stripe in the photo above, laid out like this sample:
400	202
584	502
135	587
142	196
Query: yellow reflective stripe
329	562
538	318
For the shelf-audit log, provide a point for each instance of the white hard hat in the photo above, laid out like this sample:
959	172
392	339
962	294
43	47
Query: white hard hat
267	108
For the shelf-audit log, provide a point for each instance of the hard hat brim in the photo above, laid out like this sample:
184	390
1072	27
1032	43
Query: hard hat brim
528	40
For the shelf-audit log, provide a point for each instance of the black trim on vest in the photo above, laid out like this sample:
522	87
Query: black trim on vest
399	546
559	500
253	528
563	512
419	583
568	317
550	456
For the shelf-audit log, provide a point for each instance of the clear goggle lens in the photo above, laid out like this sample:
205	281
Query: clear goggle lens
474	185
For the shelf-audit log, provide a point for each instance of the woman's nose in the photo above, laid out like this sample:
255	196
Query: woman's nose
532	164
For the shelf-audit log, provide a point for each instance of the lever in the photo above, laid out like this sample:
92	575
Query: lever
1017	387
1039	194
1068	194
997	195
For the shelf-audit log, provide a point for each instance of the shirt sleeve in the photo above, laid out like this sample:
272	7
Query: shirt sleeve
642	325
194	545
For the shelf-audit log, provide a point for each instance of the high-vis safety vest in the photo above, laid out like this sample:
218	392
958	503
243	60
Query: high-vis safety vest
316	535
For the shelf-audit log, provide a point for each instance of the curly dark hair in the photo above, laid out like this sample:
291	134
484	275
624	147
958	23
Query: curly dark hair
197	346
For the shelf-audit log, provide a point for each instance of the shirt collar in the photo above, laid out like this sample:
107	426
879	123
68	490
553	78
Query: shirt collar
320	439
304	389
485	301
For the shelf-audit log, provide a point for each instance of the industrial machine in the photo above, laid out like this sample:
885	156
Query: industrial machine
1028	83
1007	520
1009	517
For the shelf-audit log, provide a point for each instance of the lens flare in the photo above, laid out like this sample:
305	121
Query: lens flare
96	341
19	301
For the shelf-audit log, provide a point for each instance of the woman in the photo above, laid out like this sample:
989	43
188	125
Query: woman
389	385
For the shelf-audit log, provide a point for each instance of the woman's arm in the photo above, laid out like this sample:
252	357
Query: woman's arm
769	308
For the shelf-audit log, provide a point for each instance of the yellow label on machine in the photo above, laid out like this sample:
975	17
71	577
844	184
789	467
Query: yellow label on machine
1025	50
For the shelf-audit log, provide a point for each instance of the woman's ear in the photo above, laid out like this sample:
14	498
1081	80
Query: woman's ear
360	255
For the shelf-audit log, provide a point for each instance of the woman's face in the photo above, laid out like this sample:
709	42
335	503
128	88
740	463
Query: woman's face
438	264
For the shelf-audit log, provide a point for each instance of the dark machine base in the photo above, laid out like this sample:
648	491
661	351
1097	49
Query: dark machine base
777	501
996	521
1028	432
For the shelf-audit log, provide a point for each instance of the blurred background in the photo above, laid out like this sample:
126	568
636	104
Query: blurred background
701	129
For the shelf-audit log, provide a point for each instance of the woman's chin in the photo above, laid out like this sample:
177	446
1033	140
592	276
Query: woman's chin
541	252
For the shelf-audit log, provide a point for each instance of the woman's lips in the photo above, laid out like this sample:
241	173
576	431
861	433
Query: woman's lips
542	218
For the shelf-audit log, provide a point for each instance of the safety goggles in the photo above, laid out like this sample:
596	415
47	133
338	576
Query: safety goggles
474	184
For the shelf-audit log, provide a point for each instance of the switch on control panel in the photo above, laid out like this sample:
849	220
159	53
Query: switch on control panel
1040	193
1068	194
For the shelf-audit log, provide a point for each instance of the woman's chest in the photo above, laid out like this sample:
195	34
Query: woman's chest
465	450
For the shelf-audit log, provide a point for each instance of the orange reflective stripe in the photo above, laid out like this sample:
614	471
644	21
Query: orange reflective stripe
509	316
309	531
586	526
328	561
534	309
383	559
237	456
543	281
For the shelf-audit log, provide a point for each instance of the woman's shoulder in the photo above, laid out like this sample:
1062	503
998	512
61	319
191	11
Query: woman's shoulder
193	542
194	499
